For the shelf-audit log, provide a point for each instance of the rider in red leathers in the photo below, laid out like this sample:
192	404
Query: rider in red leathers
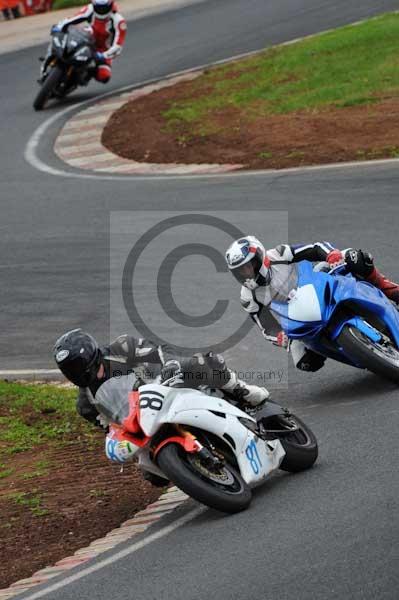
109	30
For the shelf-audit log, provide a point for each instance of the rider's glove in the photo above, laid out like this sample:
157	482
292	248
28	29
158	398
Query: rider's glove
100	56
282	340
359	263
335	258
171	373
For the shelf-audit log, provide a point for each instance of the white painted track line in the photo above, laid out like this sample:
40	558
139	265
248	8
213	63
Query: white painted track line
31	150
193	514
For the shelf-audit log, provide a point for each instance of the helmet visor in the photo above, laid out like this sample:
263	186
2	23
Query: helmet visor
79	372
249	270
103	8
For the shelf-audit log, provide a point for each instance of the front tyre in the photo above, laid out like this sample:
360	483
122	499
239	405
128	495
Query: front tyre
299	443
223	488
49	84
382	358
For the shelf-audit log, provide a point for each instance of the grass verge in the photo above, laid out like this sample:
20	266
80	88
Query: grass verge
350	66
33	415
58	491
330	98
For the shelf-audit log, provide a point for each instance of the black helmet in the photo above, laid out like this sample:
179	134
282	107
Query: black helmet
78	357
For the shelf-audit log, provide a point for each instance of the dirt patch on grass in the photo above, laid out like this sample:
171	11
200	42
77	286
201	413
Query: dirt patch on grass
140	131
54	501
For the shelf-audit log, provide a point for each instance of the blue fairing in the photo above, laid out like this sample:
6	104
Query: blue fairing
331	290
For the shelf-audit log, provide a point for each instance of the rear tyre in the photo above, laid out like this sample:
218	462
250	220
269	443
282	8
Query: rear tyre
380	358
301	450
224	489
50	83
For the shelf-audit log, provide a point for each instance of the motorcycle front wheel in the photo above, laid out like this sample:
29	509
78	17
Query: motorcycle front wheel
222	488
298	441
49	84
382	358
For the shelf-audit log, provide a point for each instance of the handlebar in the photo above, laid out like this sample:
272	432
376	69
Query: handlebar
137	384
325	267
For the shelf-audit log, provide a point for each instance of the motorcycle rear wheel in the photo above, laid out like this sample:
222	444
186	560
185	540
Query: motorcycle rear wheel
50	83
381	359
225	491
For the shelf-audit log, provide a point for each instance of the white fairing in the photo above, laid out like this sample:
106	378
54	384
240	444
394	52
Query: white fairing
304	305
255	457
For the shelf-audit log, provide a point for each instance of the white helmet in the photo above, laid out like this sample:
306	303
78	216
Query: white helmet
102	8
247	260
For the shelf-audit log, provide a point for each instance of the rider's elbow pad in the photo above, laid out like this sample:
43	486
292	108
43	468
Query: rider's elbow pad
250	306
248	301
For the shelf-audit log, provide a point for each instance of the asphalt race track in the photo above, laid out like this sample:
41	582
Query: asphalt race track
330	533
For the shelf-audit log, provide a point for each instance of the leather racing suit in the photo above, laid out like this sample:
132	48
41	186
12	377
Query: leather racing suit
127	354
109	34
283	279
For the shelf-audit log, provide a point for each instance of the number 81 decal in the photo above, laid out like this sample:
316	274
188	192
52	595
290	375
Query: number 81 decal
253	457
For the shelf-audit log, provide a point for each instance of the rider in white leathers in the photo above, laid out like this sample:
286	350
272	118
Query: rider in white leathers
267	275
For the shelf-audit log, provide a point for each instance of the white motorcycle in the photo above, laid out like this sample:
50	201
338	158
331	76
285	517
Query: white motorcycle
210	449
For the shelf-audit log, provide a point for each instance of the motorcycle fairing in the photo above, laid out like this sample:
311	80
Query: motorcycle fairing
361	325
59	41
312	305
255	458
75	45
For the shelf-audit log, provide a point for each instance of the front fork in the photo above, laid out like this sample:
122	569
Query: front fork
46	61
190	444
208	459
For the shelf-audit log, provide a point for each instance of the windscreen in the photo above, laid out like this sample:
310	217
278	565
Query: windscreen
112	398
78	36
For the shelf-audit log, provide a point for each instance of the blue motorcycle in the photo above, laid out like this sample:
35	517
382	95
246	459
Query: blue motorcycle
342	318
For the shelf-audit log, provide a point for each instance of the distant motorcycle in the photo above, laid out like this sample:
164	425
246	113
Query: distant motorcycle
341	318
210	449
70	62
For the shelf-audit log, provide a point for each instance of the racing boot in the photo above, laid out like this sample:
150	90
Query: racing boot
389	288
244	393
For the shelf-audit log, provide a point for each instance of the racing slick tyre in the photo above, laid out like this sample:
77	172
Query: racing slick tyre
300	446
382	358
49	84
221	488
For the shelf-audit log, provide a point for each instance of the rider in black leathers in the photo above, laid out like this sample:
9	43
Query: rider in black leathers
85	364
